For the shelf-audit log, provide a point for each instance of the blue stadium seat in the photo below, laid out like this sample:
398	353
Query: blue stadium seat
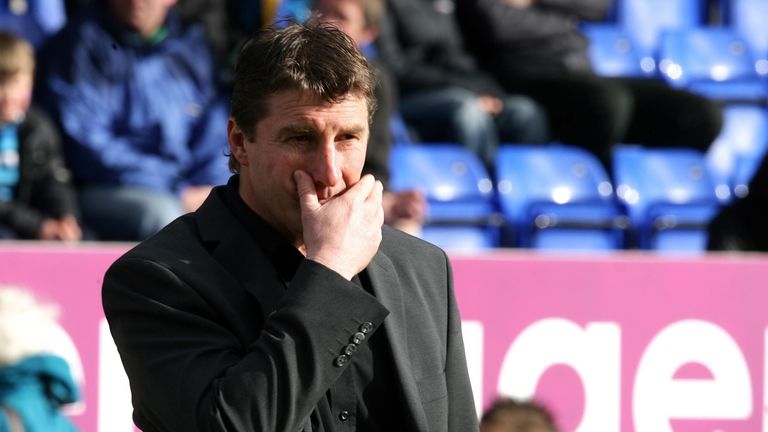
668	194
714	62
612	52
734	156
646	20
748	18
557	197
33	20
462	212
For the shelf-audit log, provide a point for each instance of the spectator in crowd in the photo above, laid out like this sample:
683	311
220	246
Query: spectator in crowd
284	303
444	96
360	20
37	200
135	94
510	415
741	225
32	20
34	381
535	48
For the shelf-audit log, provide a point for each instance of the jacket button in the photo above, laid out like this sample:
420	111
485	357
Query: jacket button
366	327
344	416
358	338
350	349
341	360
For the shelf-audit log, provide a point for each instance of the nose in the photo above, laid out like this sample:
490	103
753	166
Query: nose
325	167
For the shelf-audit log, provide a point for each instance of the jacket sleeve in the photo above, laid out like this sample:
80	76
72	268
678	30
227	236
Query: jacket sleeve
44	189
209	145
52	191
21	218
189	372
461	405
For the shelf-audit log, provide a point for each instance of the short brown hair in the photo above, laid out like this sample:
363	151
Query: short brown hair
16	56
313	57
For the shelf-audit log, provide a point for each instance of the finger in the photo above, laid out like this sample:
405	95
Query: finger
377	194
363	188
74	232
305	188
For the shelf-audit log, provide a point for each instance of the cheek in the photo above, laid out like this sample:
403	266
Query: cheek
279	173
353	163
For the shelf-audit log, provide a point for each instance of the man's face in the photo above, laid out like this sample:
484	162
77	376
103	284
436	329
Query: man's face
144	16
348	16
301	132
15	96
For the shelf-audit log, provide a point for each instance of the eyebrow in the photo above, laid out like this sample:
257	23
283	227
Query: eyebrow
355	129
294	130
306	130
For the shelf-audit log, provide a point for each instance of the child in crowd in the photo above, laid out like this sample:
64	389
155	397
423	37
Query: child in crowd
34	382
37	200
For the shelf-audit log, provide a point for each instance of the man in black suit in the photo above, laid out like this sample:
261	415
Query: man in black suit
263	310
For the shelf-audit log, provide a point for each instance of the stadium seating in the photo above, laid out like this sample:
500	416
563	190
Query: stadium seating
668	194
556	197
714	62
733	157
749	18
612	52
462	213
645	21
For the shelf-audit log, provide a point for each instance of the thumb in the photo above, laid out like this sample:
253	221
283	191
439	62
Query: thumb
305	188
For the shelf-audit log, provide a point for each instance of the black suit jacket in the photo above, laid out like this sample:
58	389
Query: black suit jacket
211	339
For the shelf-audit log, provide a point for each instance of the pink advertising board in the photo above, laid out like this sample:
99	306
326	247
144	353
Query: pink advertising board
627	342
621	343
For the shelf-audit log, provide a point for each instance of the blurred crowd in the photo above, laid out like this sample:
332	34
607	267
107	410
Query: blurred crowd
113	112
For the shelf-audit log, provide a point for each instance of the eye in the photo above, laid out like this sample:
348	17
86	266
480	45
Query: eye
346	137
298	139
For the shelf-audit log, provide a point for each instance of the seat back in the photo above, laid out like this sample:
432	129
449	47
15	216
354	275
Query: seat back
691	56
734	156
748	18
548	190
612	52
462	238
665	190
462	212
454	181
645	20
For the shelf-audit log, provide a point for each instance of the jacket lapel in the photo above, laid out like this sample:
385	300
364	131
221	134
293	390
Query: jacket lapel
387	289
234	248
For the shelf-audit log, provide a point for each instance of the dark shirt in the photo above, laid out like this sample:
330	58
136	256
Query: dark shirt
363	397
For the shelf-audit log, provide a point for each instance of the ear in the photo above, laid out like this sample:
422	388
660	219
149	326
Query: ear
237	142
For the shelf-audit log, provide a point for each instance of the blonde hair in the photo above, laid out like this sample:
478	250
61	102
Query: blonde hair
16	56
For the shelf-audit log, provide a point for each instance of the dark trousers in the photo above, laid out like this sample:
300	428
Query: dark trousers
596	113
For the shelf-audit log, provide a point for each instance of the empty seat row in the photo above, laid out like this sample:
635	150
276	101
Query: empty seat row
649	36
559	197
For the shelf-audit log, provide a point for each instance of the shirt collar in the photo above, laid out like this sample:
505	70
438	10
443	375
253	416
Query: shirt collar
283	255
